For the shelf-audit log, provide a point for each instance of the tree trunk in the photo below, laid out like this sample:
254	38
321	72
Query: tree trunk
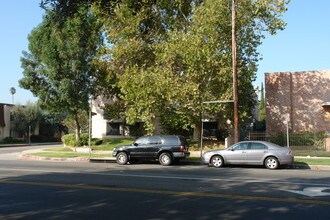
77	128
197	132
157	126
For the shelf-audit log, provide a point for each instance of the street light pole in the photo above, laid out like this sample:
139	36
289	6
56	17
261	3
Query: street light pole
234	59
286	122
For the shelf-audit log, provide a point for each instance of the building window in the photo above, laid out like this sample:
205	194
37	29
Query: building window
113	129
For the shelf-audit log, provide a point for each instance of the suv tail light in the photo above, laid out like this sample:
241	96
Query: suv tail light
181	148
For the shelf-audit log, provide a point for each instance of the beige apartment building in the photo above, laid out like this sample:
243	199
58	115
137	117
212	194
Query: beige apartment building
5	125
8	123
302	98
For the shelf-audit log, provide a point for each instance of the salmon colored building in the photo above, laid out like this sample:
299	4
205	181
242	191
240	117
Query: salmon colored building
303	98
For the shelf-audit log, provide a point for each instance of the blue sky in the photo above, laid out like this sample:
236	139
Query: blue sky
303	45
17	19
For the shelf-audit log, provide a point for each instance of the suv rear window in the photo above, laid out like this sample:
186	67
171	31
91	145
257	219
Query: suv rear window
183	141
171	140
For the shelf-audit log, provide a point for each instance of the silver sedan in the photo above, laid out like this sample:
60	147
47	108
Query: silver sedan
250	153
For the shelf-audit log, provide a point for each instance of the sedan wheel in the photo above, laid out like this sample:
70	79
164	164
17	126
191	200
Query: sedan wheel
165	159
271	163
217	161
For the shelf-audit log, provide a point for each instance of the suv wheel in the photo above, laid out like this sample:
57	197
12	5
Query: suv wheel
122	158
165	159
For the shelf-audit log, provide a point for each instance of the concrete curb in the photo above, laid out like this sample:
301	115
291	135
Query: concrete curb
318	167
75	159
27	144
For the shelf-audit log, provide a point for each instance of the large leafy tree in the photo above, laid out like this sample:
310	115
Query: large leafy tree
171	56
134	30
166	66
26	117
200	56
59	67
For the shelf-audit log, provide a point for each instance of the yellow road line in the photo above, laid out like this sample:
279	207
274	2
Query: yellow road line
165	192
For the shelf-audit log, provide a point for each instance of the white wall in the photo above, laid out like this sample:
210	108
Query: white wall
99	124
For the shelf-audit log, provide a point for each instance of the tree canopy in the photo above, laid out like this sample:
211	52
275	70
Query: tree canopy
189	63
162	58
59	67
27	118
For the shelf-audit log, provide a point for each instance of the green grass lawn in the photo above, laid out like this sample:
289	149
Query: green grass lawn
312	161
55	154
58	149
60	152
318	153
110	144
65	154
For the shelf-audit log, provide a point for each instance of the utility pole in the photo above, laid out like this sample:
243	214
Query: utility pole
90	126
234	58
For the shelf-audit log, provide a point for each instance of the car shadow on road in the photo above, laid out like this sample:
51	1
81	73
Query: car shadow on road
198	163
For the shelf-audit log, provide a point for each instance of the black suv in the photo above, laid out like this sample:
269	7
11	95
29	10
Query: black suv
166	149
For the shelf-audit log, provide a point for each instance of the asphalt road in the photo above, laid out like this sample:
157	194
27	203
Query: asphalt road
81	190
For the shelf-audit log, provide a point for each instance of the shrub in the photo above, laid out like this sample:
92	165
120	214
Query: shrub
70	140
84	139
305	139
37	138
97	141
8	140
41	138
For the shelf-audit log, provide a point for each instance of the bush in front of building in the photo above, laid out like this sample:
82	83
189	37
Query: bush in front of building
309	139
70	140
10	140
43	138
